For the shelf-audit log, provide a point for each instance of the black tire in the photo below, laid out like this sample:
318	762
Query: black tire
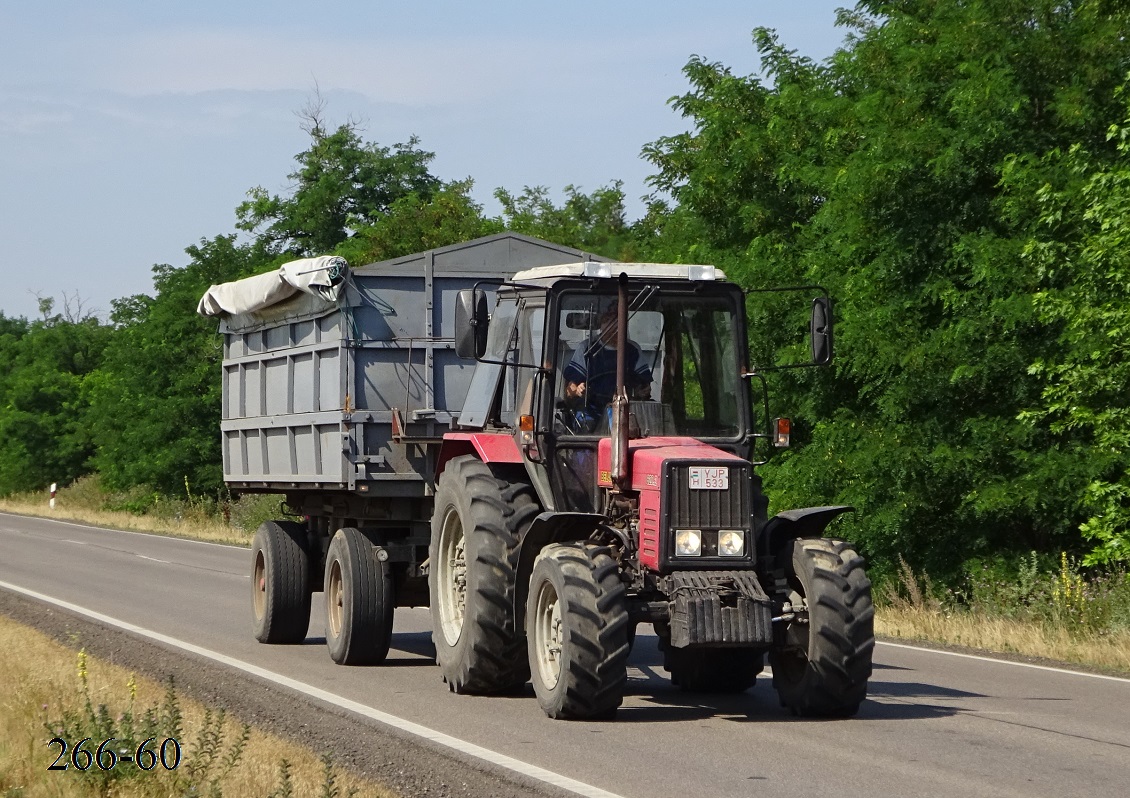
280	582
478	523
713	670
359	600
577	627
820	669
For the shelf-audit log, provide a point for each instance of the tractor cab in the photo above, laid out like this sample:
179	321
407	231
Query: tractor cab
551	351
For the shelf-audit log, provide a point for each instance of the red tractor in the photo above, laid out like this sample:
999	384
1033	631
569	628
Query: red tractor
602	474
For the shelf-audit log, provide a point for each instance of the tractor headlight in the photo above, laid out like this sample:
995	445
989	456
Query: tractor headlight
731	543
688	543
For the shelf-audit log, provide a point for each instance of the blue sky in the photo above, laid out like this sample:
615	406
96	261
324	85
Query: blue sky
131	130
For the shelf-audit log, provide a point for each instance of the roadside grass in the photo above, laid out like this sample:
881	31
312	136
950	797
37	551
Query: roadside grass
1108	652
48	691
140	509
1032	609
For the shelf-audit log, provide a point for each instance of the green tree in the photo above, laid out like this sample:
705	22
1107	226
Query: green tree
155	403
45	369
1082	254
593	222
880	173
341	185
417	222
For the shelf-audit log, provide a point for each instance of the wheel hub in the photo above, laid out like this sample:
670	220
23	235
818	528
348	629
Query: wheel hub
259	599
452	578
549	634
335	597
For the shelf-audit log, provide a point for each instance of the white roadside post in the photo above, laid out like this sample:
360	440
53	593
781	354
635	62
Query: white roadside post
52	495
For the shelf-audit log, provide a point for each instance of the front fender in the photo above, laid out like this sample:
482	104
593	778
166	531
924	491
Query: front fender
807	522
548	528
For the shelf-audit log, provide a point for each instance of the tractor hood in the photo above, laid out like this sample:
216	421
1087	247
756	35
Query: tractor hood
648	455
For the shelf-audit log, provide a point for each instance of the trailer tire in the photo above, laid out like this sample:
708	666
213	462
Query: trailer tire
359	600
280	582
577	627
820	669
713	670
478	523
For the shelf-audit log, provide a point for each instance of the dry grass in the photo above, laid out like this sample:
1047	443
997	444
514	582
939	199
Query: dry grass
187	527
1109	651
40	681
1057	616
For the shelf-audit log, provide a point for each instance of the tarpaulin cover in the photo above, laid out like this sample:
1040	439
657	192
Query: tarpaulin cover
321	277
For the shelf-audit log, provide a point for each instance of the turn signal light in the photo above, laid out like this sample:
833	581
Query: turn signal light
782	428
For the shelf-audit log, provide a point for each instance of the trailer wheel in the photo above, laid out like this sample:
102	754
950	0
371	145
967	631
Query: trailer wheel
359	600
713	670
821	668
478	523
577	626
280	582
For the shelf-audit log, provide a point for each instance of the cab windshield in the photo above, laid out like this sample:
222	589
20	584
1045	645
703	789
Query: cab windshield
681	366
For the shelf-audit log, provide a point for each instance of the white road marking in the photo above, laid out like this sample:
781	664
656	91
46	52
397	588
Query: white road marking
439	738
154	559
1006	662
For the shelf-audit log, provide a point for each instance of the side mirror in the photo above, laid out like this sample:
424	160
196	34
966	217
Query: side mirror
471	323
821	329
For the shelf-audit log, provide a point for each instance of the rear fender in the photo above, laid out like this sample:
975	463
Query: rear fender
490	447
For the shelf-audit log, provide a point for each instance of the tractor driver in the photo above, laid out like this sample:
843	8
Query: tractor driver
590	376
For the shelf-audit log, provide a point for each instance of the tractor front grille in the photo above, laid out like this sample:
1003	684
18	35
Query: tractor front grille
709	509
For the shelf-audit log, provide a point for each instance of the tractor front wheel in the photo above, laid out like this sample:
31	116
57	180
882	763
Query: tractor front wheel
577	627
821	660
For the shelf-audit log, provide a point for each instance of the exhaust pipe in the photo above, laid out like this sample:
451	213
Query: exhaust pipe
620	475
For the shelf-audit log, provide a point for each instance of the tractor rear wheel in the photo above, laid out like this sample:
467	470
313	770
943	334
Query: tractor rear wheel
280	582
577	626
822	659
359	600
479	521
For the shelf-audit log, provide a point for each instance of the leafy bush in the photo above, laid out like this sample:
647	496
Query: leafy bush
1058	594
251	509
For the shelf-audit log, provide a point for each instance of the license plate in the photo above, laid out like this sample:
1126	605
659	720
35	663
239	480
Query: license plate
709	478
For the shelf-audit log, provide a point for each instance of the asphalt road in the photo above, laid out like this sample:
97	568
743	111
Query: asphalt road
934	723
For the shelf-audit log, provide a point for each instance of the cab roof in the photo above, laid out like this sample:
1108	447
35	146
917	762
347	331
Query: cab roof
596	270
